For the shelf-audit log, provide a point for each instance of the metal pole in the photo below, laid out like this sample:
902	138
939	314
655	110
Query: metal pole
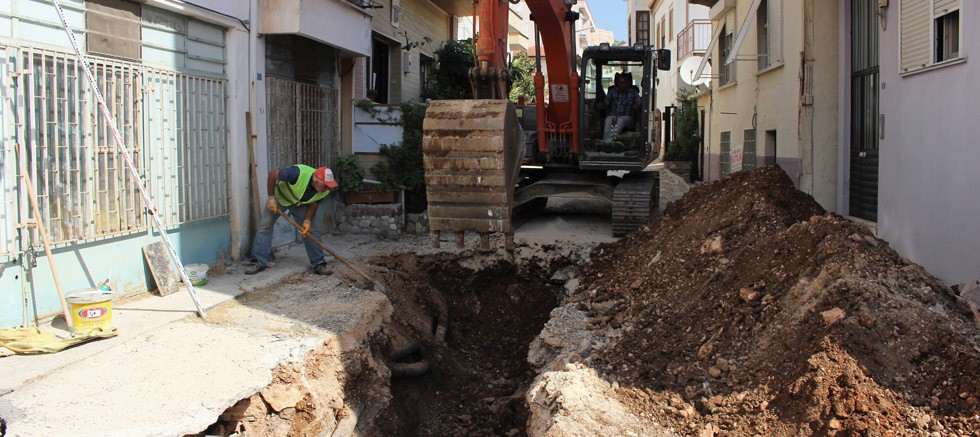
128	158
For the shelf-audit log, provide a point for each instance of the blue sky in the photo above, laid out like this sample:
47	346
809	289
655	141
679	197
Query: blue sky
610	15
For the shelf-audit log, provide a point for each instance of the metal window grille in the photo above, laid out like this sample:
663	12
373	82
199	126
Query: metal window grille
726	153
300	127
172	123
749	150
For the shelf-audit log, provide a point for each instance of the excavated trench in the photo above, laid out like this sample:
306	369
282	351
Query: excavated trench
477	370
450	360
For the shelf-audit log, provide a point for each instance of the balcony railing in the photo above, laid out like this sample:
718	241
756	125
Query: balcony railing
694	38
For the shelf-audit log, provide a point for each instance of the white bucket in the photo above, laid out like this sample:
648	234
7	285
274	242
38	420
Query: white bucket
197	273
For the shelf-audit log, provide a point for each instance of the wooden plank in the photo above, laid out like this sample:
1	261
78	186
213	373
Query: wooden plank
160	267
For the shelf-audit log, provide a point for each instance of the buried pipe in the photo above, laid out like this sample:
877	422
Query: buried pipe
409	370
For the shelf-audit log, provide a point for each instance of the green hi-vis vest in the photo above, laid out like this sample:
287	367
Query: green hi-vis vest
290	194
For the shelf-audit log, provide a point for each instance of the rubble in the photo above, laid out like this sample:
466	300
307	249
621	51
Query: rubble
846	336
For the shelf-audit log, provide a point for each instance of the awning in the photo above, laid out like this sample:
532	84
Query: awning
338	24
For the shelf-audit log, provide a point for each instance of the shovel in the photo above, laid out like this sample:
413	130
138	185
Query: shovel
377	285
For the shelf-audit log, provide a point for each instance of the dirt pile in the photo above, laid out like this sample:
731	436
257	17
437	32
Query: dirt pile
745	309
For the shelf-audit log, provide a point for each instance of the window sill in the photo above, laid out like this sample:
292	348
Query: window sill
763	71
728	85
932	67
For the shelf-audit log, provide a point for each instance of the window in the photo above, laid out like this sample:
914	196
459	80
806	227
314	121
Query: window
113	28
769	33
426	64
670	24
726	73
929	33
643	27
396	12
948	36
663	33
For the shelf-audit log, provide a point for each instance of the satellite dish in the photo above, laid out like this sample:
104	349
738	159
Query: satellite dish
690	66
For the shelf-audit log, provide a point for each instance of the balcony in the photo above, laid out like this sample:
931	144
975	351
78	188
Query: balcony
694	38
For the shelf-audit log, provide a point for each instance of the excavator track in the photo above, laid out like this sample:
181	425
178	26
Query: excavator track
472	151
635	199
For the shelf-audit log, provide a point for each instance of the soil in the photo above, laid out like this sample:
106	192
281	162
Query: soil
479	373
745	309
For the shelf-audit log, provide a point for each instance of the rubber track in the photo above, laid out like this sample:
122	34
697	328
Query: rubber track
635	199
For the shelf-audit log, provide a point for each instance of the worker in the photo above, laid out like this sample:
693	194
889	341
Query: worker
300	189
621	101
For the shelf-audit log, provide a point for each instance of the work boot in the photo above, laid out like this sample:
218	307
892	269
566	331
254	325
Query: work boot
322	269
254	267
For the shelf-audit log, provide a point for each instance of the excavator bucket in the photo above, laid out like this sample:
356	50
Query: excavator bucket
472	153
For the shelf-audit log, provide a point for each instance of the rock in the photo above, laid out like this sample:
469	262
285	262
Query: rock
834	424
714	372
748	295
857	238
832	316
923	421
722	364
344	227
712	245
706	349
281	397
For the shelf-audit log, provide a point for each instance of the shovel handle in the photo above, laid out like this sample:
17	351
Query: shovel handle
335	254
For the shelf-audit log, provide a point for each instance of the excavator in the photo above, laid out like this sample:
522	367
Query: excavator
485	157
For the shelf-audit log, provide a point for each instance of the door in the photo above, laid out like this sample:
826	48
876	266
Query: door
863	194
379	70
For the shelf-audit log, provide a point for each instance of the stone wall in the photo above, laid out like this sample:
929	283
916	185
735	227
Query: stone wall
369	219
417	223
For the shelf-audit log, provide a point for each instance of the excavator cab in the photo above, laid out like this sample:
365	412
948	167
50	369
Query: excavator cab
631	148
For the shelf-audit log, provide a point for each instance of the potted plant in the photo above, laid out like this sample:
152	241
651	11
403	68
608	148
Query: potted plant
683	150
352	183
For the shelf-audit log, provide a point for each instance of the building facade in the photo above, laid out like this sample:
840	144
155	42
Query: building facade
773	94
908	139
179	79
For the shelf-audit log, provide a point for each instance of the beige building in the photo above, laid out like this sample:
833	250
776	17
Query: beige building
773	95
404	37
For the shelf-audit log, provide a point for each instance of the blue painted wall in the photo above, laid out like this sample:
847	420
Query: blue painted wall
86	264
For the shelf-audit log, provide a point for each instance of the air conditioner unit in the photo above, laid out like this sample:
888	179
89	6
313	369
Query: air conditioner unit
406	63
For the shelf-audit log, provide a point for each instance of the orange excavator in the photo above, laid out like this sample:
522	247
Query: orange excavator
484	157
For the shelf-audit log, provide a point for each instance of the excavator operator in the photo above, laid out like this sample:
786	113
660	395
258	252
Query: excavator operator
621	101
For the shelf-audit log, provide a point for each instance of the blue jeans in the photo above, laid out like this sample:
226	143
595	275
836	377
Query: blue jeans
262	246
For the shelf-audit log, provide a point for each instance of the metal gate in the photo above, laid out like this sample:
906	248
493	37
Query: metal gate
173	124
302	128
749	150
863	191
301	124
726	153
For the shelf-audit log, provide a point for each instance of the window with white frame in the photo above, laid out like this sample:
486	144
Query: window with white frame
726	73
930	33
769	33
948	36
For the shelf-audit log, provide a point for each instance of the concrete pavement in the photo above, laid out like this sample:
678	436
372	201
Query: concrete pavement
170	373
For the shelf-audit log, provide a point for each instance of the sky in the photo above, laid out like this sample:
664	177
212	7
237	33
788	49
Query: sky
610	15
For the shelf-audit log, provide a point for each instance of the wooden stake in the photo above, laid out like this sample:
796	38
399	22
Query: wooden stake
27	182
252	165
